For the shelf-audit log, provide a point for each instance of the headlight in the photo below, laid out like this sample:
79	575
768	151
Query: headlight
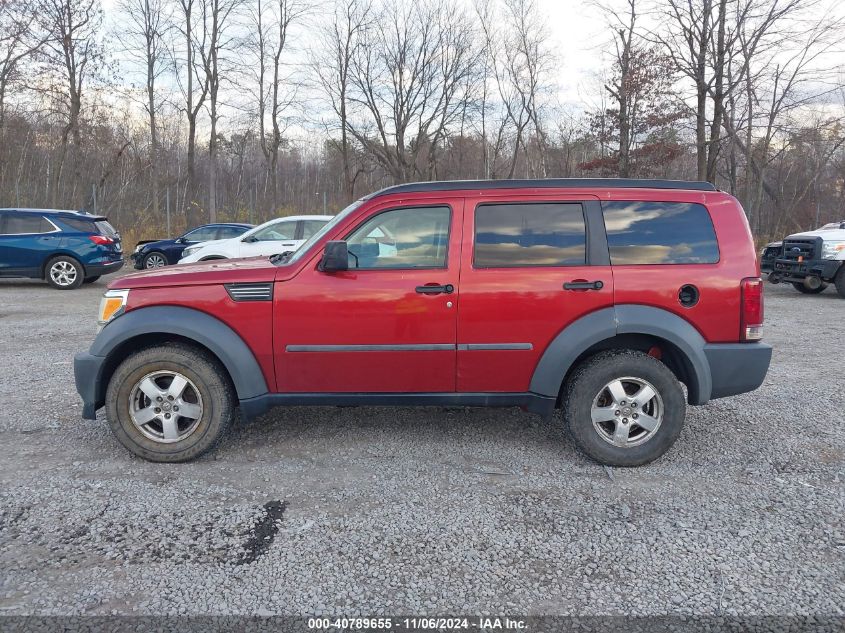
830	250
112	305
137	248
190	250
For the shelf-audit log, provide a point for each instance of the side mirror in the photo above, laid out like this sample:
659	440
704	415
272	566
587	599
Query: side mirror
250	240
181	240
335	257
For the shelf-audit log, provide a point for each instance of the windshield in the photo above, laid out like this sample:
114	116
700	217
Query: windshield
300	253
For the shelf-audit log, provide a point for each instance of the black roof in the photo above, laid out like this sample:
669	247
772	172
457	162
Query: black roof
545	183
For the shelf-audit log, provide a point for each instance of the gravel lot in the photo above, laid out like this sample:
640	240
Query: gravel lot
388	511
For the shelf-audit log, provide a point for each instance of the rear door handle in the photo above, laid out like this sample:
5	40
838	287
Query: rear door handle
435	289
579	284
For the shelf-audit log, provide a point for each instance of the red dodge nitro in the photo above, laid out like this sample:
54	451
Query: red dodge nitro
600	298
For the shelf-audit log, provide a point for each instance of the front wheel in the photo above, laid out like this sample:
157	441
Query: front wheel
170	403
624	408
155	260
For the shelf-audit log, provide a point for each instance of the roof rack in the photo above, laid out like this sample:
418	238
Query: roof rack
544	183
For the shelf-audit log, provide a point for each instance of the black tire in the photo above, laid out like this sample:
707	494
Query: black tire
209	378
64	273
92	279
586	386
156	256
800	287
840	281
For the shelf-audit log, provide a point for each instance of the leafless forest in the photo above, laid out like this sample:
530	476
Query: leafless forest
247	109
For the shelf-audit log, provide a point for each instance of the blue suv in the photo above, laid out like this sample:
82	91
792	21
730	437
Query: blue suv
65	248
159	253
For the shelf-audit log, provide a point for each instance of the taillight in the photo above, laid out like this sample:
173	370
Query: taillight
100	240
751	316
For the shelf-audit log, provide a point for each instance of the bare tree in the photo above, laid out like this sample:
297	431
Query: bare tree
217	18
143	36
408	80
276	92
21	36
193	83
529	63
339	41
72	50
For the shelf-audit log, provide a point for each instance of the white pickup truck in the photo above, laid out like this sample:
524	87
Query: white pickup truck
812	260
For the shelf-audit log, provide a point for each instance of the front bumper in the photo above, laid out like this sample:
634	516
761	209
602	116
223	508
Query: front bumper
737	367
87	373
792	270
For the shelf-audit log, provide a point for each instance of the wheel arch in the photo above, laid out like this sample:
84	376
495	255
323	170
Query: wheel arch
155	325
627	327
62	253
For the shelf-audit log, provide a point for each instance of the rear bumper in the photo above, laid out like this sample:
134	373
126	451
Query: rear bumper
87	373
92	270
737	368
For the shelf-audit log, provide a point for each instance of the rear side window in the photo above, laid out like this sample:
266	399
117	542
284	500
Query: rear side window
659	233
16	224
226	232
309	227
541	234
85	226
202	234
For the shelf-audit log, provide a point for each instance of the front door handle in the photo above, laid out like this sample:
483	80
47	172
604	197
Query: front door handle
435	289
580	284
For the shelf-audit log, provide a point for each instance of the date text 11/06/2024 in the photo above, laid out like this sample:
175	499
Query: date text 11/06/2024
481	623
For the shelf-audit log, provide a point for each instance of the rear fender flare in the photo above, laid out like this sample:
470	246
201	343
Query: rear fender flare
584	333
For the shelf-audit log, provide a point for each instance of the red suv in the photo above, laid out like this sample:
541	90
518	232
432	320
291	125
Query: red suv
601	298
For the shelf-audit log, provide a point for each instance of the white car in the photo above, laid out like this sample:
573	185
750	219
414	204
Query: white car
270	238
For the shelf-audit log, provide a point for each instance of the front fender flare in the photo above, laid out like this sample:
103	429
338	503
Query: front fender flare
194	325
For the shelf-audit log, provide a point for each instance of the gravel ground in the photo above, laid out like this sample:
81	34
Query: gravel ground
386	511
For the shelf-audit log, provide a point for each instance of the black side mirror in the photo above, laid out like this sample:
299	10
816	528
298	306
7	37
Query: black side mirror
335	257
181	240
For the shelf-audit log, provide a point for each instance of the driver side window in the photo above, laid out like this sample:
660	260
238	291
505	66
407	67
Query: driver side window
412	237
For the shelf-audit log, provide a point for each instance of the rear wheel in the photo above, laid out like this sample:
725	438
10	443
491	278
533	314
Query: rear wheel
170	403
64	273
624	408
809	289
155	260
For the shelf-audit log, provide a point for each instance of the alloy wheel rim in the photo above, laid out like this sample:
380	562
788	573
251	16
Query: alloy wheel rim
165	406
155	261
627	412
63	273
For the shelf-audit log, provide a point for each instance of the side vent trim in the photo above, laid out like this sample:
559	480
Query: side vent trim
250	291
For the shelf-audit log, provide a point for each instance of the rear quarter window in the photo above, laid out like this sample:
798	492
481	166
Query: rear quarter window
85	226
513	235
659	233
